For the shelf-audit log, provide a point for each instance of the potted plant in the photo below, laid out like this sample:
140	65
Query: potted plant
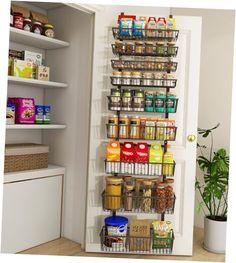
212	185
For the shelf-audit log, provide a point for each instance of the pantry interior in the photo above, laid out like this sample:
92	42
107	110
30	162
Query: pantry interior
77	137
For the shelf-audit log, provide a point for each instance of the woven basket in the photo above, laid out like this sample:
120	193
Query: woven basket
21	157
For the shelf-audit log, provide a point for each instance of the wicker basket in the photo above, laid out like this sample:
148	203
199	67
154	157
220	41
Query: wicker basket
28	156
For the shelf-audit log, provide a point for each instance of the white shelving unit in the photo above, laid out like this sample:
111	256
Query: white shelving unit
35	126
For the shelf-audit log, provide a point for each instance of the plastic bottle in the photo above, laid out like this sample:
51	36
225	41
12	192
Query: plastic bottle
161	24
168	162
170	25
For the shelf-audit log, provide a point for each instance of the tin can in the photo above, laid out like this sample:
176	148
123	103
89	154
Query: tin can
127	100
112	127
134	128
124	127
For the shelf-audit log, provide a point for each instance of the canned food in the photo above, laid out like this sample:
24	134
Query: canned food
112	127
127	100
124	127
134	128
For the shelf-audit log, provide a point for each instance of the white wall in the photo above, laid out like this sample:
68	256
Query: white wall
215	74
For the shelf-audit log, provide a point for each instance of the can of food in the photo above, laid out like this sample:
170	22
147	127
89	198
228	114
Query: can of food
127	100
138	100
124	127
134	128
112	127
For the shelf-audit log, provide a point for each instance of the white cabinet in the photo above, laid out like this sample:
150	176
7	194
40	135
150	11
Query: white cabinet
31	213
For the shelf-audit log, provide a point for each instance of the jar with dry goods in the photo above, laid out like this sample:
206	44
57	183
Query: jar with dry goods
171	49
147	79
161	198
126	78
112	127
119	47
138	100
128	198
127	100
150	48
115	100
134	128
169	193
124	127
158	81
146	196
161	49
129	48
138	192
113	193
136	78
150	129
139	47
116	77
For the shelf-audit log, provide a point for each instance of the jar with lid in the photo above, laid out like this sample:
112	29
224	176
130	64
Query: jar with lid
113	193
119	47
115	99
170	81
136	78
128	200
171	102
150	129
37	28
48	30
149	101
139	47
127	100
27	24
171	49
128	180
160	101
129	48
146	204
150	48
18	20
138	100
134	128
161	49
169	193
161	198
137	192
112	127
158	81
124	127
126	78
116	77
147	79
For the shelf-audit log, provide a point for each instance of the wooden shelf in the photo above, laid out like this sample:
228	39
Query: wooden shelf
52	170
36	83
35	126
35	40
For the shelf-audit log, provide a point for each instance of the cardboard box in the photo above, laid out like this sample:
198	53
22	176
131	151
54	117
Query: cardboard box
10	114
33	57
42	73
21	68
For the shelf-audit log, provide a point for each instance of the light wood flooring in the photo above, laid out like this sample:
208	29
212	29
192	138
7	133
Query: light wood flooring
67	247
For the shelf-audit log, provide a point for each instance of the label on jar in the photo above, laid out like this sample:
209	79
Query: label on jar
148	102
37	31
18	22
27	28
170	103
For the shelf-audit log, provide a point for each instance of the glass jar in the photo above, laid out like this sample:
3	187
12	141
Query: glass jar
171	49
149	101
128	200
129	48
160	102
146	204
138	100
18	20
48	30
147	79
150	48
116	77
161	198
126	78
171	102
170	81
128	180
150	129
158	81
119	47
136	78
134	128
113	193
124	127
139	47
115	100
37	28
169	193
137	192
112	127
27	24
161	49
127	100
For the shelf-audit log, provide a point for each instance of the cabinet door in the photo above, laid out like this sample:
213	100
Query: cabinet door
31	213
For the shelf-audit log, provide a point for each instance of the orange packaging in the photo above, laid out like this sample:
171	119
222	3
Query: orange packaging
113	151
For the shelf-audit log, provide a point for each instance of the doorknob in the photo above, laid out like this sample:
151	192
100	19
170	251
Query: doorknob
191	138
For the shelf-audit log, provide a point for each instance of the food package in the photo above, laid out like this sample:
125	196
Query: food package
19	9
113	151
139	235
39	114
141	153
42	73
33	57
46	114
155	153
126	25
10	114
39	17
15	54
139	26
162	234
21	68
127	152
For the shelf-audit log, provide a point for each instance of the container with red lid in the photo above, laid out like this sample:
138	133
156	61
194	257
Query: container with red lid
18	20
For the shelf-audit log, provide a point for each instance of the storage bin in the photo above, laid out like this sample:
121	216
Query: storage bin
27	156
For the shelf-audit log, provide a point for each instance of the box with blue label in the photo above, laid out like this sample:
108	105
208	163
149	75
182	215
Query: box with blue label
10	114
47	114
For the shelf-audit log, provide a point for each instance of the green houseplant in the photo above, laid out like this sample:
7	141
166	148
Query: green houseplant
212	185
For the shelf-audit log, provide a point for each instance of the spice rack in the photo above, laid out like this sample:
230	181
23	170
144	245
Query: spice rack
151	57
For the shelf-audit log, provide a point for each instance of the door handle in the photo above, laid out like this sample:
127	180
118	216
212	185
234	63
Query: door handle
191	138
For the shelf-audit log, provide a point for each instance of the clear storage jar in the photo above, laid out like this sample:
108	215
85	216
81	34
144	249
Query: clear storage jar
126	78
147	79
113	193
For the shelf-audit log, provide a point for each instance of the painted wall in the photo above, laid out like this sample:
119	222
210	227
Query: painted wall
215	74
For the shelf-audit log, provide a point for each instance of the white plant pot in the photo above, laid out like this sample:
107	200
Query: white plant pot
214	235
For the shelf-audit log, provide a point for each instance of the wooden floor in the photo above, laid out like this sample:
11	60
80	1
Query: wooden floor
67	247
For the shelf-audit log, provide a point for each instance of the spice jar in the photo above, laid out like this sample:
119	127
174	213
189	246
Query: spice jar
37	28
134	128
18	20
136	78
149	101
27	24
48	30
139	47
146	196
171	102
112	127
158	81
150	48
126	78
128	200
161	49
113	193
127	100
124	127
170	81
115	100
138	100
128	180
147	79
171	49
119	47
160	102
116	79
161	198
129	48
169	193
150	129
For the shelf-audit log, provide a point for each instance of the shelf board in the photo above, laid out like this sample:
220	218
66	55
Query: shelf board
52	170
36	82
35	40
35	126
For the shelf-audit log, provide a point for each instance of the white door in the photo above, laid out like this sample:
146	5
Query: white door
186	117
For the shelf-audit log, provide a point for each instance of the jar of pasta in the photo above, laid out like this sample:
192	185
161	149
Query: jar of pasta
128	200
146	196
113	193
161	198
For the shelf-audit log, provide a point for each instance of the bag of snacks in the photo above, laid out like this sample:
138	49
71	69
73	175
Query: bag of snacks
162	234
125	25
139	26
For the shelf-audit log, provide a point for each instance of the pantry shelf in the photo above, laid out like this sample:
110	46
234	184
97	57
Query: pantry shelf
35	126
52	170
35	40
36	83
